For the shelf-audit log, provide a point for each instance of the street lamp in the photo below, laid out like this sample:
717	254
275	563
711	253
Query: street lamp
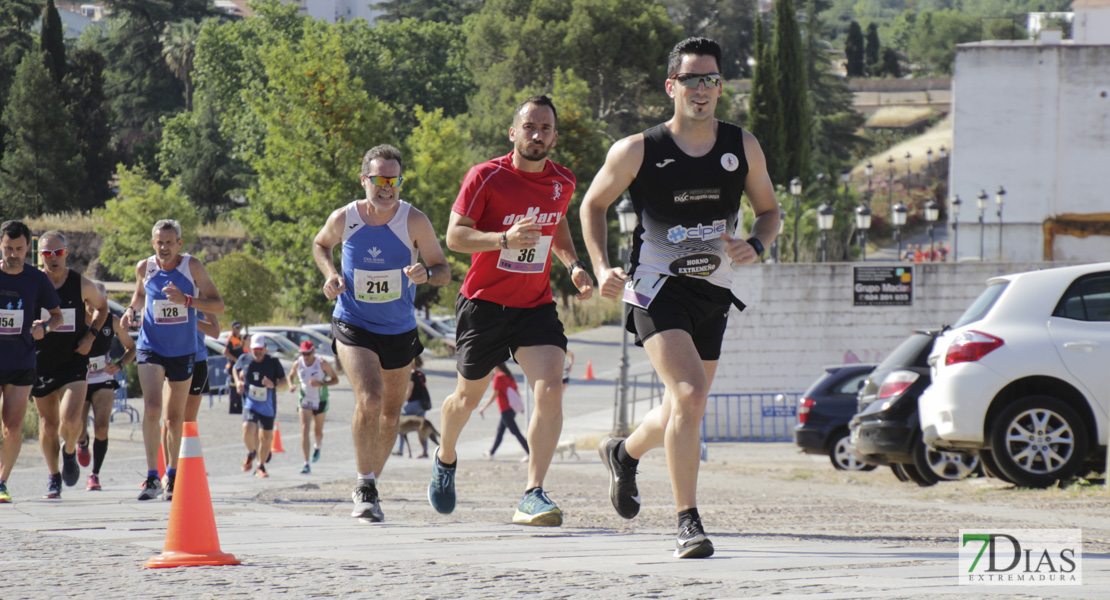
954	212
998	194
907	157
796	191
626	220
898	214
981	200
863	224
775	244
845	177
870	170
890	184
825	215
932	213
928	164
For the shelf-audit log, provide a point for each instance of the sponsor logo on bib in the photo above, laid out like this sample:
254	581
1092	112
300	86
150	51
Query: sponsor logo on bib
681	233
701	265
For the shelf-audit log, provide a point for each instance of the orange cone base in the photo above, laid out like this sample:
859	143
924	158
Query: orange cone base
184	559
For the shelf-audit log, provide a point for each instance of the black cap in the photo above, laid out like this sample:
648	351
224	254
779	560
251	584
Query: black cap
236	324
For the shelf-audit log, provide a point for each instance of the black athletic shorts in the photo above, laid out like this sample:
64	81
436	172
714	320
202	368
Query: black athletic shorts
200	378
48	382
178	368
21	377
265	423
488	333
394	351
111	384
692	305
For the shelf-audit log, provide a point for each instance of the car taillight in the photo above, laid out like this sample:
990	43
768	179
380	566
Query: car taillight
896	383
970	346
804	404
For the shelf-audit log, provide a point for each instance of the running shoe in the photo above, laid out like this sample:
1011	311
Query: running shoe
260	472
250	461
71	471
152	488
305	470
316	454
5	497
167	485
441	491
83	454
622	481
692	542
54	488
92	484
537	509
368	508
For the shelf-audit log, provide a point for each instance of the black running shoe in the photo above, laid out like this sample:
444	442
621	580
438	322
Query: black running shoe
54	488
692	542
167	486
622	481
368	508
71	471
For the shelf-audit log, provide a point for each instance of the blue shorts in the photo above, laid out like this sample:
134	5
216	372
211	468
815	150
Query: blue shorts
178	368
266	423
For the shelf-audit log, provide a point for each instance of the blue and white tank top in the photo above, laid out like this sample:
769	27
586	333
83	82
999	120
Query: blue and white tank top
379	296
202	348
168	329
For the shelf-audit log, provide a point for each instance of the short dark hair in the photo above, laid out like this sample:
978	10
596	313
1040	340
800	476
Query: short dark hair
15	229
692	45
541	100
384	152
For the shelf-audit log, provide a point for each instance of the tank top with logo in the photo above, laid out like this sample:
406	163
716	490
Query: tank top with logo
379	296
57	347
169	329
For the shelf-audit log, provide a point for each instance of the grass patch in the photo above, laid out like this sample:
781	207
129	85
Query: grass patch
577	315
224	226
30	422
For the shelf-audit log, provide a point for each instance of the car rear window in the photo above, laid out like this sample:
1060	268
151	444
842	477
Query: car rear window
912	352
1086	299
982	304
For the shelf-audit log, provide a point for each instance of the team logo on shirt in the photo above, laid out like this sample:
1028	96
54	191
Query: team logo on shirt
681	233
558	190
729	161
702	195
549	218
374	253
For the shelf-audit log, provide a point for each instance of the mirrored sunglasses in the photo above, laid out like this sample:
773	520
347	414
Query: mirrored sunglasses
386	182
58	252
691	80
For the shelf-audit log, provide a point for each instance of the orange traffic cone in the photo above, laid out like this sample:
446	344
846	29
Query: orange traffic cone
276	448
191	538
589	370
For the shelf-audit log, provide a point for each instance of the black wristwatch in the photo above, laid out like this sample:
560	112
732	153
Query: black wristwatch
756	245
578	263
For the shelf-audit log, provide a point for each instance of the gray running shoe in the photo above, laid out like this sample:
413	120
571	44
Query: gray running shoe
692	542
537	509
71	471
152	488
54	488
623	492
441	490
368	508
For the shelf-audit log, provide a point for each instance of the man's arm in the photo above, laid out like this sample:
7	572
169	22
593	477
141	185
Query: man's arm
761	195
435	270
138	298
97	304
562	245
209	325
322	246
208	298
620	168
462	236
128	346
333	378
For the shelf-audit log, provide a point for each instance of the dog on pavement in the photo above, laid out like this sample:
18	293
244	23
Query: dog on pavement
567	446
424	429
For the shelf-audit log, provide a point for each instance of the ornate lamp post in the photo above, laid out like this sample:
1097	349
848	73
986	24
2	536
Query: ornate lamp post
626	220
890	184
932	213
928	165
899	217
954	213
863	224
796	191
998	198
825	215
775	244
981	200
845	177
870	170
908	175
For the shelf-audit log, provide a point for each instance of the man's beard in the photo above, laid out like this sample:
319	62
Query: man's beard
532	153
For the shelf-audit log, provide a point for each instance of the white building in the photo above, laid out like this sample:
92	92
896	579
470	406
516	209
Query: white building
333	11
1034	118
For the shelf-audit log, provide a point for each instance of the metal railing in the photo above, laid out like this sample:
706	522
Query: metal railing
768	417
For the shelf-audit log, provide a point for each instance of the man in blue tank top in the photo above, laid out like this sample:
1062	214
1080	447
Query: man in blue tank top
374	324
170	288
685	178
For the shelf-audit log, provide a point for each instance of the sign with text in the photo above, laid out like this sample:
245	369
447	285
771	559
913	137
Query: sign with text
883	286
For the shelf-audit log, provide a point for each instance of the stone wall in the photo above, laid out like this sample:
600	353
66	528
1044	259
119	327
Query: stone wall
84	251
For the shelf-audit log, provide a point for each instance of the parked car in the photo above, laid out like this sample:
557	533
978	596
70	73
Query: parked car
886	429
321	328
1023	377
300	334
823	414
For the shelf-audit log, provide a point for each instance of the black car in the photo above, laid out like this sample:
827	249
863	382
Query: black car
823	414
886	430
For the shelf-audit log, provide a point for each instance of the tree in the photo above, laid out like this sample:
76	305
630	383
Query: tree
871	49
199	158
441	11
249	289
854	51
127	220
730	22
436	161
41	169
16	17
84	97
890	65
834	120
765	111
793	87
52	41
179	44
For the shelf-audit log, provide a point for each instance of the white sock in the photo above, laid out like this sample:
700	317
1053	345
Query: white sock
369	476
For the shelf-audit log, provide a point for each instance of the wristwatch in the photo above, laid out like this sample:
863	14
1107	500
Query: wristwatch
578	263
756	245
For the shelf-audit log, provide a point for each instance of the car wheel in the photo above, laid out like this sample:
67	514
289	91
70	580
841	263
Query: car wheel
921	478
1038	441
899	472
986	460
844	456
947	466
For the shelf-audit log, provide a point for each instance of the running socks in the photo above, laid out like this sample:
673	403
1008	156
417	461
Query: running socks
625	458
100	450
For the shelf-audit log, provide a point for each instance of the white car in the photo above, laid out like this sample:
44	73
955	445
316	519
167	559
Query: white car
1024	376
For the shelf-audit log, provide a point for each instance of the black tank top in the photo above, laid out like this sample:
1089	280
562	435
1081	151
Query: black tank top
685	203
102	343
57	347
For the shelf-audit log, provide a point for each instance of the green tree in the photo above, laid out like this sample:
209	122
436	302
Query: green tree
84	97
179	45
319	122
790	65
871	49
932	42
41	169
199	158
442	11
765	110
249	289
52	41
127	220
854	51
834	120
16	17
730	22
891	67
436	161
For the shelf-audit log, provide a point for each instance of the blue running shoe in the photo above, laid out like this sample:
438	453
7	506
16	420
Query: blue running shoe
537	509
441	491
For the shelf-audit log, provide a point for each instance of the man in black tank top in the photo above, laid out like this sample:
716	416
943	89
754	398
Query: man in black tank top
685	178
63	363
